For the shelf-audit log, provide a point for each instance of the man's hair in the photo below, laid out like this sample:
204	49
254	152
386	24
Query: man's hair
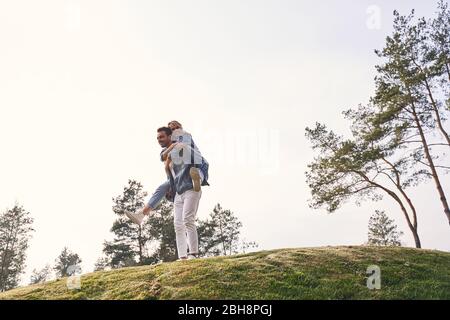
167	130
177	123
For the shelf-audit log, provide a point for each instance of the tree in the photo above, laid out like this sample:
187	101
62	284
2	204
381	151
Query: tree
392	158
155	239
220	234
15	233
118	255
207	240
355	168
227	229
217	235
409	108
102	263
245	245
67	263
40	276
383	231
439	35
130	240
162	232
392	146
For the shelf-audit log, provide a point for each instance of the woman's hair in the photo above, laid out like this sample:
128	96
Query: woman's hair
176	123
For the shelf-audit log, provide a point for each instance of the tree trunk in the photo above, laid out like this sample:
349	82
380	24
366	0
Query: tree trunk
405	213
402	207
140	244
448	70
410	204
436	112
431	163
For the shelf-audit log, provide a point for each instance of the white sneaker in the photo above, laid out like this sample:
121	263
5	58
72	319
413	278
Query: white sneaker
137	217
191	256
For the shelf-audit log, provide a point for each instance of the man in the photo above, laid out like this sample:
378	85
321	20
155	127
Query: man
186	199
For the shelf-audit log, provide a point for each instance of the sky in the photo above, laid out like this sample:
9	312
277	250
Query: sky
85	84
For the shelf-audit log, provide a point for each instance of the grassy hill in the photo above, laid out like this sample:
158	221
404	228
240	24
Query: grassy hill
303	273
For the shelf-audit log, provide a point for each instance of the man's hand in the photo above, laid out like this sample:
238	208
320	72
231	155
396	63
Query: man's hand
168	150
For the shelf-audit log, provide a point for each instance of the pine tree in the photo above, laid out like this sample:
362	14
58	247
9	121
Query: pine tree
101	264
67	263
207	240
220	234
15	233
162	233
383	231
355	168
129	246
393	144
40	276
155	239
411	86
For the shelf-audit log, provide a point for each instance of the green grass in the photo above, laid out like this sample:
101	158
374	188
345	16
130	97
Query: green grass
303	273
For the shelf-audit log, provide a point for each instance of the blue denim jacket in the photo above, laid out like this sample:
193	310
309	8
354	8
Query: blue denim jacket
181	180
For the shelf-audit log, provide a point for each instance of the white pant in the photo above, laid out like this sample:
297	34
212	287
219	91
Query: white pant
186	206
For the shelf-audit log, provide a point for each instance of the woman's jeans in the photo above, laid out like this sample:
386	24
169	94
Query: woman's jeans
158	195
